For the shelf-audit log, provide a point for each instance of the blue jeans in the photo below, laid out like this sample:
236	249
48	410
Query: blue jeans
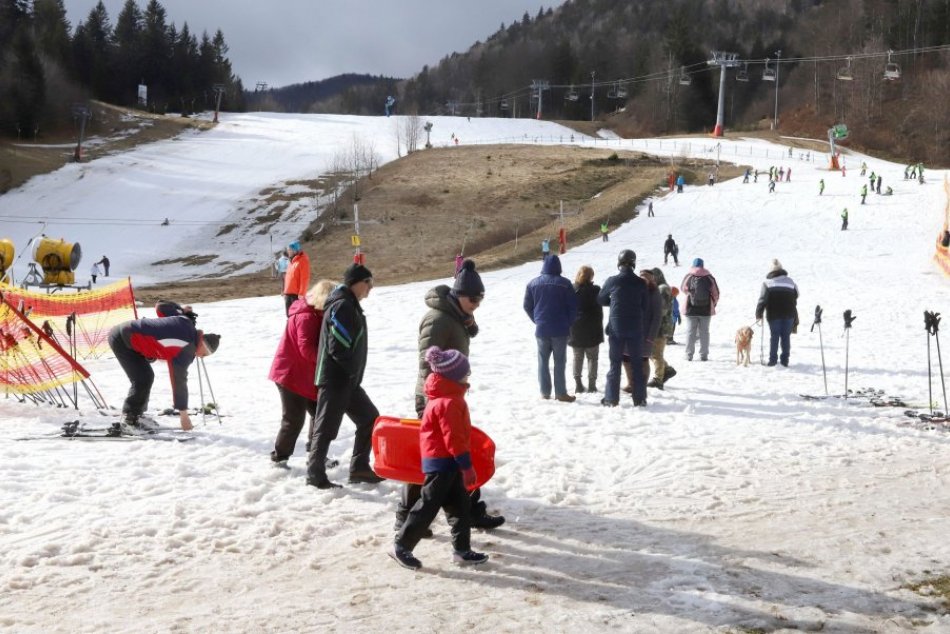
558	347
619	346
781	332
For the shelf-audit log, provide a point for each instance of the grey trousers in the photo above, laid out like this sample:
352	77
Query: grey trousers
591	354
697	327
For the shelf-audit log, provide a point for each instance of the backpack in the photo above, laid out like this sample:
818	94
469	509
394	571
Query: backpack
699	290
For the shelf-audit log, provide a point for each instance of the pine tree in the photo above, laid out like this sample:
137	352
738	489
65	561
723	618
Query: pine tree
52	30
127	38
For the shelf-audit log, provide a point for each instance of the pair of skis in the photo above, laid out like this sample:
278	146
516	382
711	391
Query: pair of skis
76	430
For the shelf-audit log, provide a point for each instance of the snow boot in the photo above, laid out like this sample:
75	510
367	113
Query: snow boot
468	558
365	476
578	386
669	374
488	522
654	383
323	483
592	386
404	558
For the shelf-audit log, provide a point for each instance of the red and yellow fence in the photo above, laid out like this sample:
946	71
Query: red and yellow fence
85	317
31	362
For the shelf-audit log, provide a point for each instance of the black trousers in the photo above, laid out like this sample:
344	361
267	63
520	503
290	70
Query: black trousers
412	492
294	410
139	371
288	300
333	401
439	491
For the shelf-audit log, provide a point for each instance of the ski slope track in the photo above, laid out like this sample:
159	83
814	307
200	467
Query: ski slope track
729	504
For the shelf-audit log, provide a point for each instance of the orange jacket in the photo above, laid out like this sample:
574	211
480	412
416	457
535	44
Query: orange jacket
297	279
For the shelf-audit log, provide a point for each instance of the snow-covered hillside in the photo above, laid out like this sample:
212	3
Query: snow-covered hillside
728	504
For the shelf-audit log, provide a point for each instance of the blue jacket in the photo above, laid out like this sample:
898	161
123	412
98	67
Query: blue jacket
626	295
550	301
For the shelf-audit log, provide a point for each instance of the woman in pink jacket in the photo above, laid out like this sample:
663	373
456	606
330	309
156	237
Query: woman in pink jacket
295	366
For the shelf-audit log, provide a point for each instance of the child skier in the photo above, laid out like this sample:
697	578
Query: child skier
844	219
446	462
821	187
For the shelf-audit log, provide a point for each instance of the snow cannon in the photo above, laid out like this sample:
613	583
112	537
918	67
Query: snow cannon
6	256
397	456
58	260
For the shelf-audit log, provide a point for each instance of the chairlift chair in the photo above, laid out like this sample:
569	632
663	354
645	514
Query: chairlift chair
621	93
685	79
743	73
769	73
612	93
892	71
572	94
504	104
845	73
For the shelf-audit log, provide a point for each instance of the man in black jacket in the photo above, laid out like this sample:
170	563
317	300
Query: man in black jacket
779	302
670	248
340	366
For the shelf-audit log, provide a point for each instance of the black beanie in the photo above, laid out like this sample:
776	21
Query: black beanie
468	283
211	341
356	273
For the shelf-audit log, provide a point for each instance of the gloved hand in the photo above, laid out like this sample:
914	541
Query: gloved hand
469	477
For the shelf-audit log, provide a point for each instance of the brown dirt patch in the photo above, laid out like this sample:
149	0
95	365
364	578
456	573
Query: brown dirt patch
498	201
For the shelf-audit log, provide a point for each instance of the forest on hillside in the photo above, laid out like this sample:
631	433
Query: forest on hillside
646	64
47	66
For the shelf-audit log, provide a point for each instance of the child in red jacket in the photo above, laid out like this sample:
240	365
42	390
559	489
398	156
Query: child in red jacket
446	461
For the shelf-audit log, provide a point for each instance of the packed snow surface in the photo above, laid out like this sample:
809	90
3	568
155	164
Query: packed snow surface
728	504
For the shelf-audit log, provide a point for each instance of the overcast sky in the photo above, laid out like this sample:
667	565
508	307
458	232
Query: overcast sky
284	42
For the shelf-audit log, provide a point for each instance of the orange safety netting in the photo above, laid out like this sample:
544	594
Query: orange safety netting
87	315
30	361
942	255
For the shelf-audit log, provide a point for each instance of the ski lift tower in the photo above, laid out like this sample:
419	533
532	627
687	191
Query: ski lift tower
539	86
81	113
723	61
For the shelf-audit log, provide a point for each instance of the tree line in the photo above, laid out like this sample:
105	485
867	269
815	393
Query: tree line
603	40
46	65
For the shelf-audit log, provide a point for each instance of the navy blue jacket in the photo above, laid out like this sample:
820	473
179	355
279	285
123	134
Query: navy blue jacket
779	297
626	295
550	302
173	339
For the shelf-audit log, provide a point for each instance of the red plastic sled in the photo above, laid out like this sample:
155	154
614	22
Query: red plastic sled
397	456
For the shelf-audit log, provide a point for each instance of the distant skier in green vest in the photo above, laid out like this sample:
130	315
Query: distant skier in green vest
821	187
603	231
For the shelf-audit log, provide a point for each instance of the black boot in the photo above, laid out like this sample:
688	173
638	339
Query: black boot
592	385
578	386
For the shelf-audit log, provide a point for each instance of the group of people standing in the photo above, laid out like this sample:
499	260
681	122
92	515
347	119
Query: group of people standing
643	313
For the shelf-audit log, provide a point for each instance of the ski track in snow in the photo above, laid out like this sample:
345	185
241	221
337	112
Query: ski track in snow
730	502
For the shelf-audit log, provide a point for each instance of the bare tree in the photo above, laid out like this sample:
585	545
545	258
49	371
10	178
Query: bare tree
410	132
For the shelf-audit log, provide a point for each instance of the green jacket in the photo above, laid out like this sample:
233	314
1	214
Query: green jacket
666	317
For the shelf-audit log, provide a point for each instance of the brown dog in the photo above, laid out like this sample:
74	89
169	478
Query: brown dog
744	345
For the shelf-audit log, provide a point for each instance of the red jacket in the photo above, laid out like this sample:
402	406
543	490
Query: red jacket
444	438
295	362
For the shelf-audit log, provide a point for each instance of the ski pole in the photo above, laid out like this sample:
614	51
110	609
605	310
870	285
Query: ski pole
821	345
201	391
217	411
943	385
928	324
848	320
